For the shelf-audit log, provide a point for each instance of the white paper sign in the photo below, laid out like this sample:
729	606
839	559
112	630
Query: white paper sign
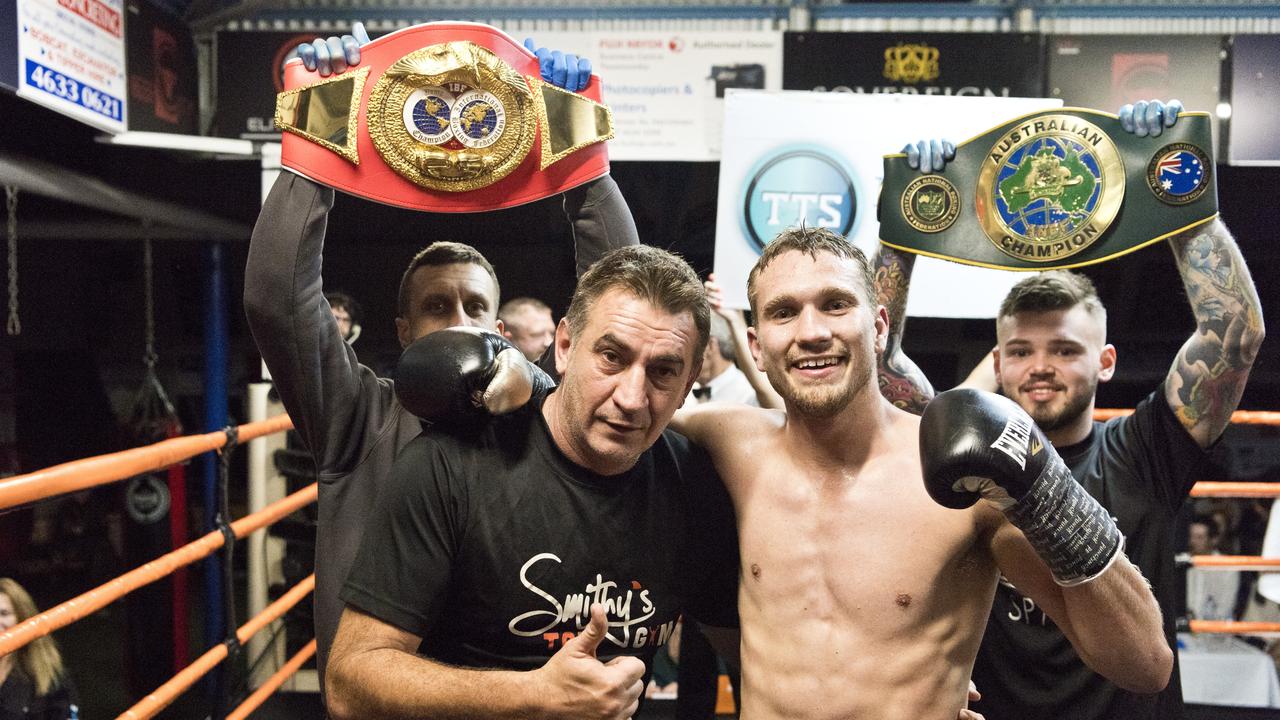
71	58
667	89
792	155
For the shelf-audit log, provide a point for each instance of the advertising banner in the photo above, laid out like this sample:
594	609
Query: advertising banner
980	64
71	58
824	166
162	71
1103	72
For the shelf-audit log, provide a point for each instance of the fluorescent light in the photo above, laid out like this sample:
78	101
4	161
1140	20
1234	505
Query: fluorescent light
188	143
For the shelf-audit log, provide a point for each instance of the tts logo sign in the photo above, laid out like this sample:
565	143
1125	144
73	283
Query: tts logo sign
794	186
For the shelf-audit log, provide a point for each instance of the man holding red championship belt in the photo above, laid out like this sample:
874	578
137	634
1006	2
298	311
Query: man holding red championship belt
349	418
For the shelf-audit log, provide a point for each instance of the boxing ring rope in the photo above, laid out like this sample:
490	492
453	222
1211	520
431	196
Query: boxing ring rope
274	682
178	684
107	593
113	467
1239	417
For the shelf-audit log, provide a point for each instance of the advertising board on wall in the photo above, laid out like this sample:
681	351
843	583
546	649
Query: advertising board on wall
71	58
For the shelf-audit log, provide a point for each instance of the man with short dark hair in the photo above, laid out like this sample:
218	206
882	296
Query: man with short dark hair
1052	352
347	313
528	324
532	569
349	417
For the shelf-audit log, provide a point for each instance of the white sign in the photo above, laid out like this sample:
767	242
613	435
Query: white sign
819	157
71	58
667	89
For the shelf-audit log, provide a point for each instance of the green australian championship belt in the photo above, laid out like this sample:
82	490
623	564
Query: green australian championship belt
1053	189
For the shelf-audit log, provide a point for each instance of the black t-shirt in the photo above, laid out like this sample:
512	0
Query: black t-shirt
18	699
492	546
1141	468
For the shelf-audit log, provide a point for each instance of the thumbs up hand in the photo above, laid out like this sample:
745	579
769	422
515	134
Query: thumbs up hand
578	685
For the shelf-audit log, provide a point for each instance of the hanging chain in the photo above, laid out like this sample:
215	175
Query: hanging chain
149	357
14	325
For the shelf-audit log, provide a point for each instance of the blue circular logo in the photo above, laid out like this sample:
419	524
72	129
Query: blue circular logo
798	185
431	115
1048	188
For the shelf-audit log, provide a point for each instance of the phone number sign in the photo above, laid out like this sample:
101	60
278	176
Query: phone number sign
71	55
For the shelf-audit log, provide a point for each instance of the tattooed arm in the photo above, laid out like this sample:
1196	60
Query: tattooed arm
1208	376
901	382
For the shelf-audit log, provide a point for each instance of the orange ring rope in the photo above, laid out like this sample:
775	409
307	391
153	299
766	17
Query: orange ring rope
112	467
178	684
1236	489
1236	562
103	595
1239	417
273	683
1235	627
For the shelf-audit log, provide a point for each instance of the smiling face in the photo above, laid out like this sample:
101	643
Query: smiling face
816	332
625	374
1050	363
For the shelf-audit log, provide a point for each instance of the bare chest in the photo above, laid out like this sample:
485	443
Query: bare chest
870	545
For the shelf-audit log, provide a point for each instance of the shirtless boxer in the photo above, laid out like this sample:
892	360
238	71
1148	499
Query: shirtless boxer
860	595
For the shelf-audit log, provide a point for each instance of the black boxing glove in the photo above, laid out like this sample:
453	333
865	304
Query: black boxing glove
976	445
465	374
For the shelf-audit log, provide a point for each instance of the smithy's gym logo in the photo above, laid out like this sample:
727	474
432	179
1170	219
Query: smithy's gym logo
910	64
1050	188
794	185
627	608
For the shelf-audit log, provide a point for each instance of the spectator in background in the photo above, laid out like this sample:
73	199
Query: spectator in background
528	325
33	683
1211	594
720	379
347	313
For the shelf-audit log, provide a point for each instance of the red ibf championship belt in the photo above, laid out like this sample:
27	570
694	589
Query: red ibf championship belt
443	117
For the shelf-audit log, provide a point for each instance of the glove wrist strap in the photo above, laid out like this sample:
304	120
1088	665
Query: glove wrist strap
1068	528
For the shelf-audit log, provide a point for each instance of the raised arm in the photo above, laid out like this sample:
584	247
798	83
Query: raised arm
601	220
1052	539
1208	376
901	382
766	396
327	392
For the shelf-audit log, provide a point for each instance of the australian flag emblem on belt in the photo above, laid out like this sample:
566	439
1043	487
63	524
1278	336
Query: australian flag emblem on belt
1179	173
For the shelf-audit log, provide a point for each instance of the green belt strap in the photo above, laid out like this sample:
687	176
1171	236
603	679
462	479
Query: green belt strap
1053	189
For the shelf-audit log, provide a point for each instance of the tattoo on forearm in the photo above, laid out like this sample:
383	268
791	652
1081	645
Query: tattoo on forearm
893	275
901	382
1209	374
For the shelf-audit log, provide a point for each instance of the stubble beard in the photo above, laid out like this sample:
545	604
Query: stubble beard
1049	420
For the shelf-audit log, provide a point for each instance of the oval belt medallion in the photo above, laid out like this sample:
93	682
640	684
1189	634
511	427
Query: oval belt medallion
1049	188
452	116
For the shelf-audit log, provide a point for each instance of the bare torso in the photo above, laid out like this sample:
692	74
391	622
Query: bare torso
860	597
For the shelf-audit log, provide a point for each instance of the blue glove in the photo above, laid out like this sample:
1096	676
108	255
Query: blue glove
930	155
1145	118
335	54
569	72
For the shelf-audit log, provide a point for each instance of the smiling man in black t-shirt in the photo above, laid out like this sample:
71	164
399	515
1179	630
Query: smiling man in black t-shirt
1052	353
531	568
